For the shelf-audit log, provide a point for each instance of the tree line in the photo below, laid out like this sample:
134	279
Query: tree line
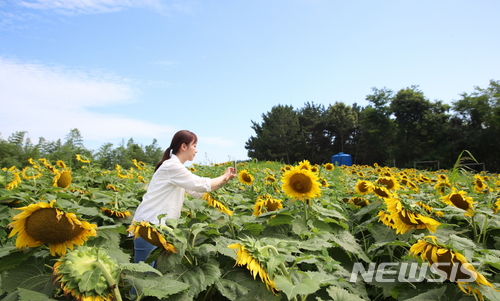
18	149
394	129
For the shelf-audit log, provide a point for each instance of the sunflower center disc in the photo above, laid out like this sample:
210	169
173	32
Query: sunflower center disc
459	201
43	225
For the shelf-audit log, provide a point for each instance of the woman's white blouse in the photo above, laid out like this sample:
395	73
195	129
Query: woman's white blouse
166	192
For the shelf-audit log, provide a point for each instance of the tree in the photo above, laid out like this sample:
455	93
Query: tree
343	120
409	107
317	146
375	136
277	137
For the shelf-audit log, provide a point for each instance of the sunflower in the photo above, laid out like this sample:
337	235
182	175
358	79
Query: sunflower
329	166
497	206
359	201
269	180
323	182
112	187
42	223
441	187
479	184
78	265
364	187
381	191
410	184
139	164
454	265
62	179
389	182
15	182
404	219
305	164
82	159
61	164
30	173
152	234
245	177
268	203
460	200
213	202
116	212
300	183
244	257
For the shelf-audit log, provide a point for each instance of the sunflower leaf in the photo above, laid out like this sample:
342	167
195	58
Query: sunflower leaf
230	289
348	242
340	294
301	284
90	279
28	295
157	286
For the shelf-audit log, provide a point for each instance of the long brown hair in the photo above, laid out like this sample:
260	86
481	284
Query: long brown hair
182	136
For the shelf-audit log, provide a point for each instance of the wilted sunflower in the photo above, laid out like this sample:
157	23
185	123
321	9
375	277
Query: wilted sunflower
245	177
42	223
62	179
268	203
82	263
152	234
364	187
460	200
404	219
245	258
300	183
212	202
453	264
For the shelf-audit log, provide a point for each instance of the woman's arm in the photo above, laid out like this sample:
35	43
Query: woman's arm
220	181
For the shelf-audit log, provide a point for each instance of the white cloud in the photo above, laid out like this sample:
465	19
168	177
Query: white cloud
50	101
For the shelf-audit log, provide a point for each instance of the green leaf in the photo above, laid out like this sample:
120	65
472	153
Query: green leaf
280	219
139	267
156	286
340	294
432	294
5	250
230	289
90	279
301	285
29	295
349	243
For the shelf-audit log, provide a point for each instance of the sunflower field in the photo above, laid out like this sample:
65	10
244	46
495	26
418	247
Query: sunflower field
276	232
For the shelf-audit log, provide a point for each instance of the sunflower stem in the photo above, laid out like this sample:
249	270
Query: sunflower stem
282	266
306	215
112	283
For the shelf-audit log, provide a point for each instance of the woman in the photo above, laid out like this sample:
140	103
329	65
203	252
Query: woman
171	181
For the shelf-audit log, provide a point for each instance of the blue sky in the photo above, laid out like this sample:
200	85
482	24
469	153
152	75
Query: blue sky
143	69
